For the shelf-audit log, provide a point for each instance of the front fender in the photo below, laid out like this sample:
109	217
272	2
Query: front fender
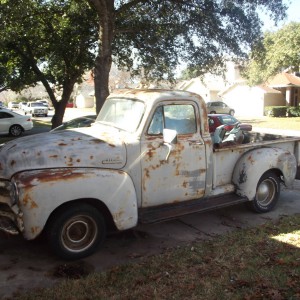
253	164
42	191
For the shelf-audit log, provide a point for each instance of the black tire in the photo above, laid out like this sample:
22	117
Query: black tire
76	231
15	130
267	193
212	112
231	112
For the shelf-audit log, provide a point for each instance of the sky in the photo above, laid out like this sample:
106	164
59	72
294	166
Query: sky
293	15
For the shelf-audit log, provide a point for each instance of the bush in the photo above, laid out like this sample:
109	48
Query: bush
293	111
276	111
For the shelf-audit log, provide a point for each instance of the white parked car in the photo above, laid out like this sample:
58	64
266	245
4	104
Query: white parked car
45	102
13	104
36	109
13	123
22	105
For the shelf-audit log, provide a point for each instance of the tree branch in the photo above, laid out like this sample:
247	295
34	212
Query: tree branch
129	5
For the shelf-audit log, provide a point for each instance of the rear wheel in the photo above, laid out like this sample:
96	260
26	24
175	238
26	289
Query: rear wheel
76	231
15	130
267	193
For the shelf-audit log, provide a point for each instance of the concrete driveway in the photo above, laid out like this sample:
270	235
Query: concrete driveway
26	265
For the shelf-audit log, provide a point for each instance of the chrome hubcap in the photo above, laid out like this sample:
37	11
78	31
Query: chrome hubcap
79	233
266	192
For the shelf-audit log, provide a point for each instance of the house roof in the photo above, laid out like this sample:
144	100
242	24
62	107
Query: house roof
284	80
268	89
264	88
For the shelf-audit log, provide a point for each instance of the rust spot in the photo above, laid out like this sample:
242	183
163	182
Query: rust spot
251	160
12	163
33	204
96	141
53	156
147	173
111	145
1	168
78	160
35	229
62	144
39	153
26	199
91	157
48	176
243	177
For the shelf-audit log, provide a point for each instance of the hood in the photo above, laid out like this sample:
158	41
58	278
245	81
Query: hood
83	147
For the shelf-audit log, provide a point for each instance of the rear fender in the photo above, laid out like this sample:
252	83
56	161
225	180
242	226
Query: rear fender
42	191
253	164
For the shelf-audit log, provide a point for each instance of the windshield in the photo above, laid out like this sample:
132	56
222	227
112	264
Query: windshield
36	104
125	114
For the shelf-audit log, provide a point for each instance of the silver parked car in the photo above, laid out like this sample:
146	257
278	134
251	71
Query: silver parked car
219	107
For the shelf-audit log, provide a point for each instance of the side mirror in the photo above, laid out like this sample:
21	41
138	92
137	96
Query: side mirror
170	136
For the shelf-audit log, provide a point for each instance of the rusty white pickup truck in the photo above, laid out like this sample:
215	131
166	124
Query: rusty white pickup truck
148	157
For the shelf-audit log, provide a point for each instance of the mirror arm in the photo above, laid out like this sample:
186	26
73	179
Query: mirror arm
169	150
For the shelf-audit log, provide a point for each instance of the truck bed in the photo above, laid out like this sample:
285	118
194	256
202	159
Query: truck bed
226	155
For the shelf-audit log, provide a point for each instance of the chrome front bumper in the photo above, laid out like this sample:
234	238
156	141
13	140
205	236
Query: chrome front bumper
11	220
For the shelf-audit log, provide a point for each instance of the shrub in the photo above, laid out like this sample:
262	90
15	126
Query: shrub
293	111
276	111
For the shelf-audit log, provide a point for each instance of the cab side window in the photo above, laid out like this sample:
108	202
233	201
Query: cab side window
179	117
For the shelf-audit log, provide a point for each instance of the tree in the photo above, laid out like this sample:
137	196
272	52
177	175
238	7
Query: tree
277	51
156	35
46	41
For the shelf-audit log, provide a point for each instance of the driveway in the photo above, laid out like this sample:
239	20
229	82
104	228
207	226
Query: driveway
26	265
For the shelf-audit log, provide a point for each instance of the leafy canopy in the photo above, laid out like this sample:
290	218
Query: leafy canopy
48	41
155	36
277	51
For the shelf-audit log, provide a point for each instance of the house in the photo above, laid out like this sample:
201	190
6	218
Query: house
209	85
251	101
289	86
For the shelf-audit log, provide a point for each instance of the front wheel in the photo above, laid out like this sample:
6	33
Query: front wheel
15	130
76	232
267	193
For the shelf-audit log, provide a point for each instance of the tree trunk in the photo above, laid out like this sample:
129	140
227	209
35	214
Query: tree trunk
60	106
101	79
105	10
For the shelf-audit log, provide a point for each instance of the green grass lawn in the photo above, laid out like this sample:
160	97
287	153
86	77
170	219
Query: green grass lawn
275	123
257	263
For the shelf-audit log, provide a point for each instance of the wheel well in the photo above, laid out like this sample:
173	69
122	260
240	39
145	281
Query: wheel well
100	206
277	172
16	125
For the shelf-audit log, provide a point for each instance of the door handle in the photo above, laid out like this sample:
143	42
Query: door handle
193	142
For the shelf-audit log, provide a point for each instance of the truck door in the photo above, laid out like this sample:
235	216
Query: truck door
182	176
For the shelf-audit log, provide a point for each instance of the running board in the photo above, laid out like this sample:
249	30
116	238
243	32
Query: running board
170	211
